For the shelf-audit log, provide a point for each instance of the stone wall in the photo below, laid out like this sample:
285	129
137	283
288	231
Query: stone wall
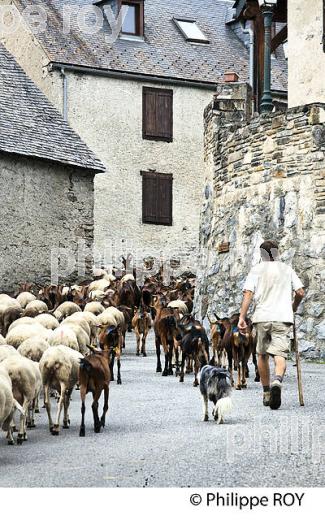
306	57
265	178
43	207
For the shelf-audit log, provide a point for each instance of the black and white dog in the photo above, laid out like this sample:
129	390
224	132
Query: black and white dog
215	386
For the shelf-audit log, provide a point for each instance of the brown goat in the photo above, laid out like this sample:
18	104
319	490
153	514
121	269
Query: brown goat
165	327
95	376
141	324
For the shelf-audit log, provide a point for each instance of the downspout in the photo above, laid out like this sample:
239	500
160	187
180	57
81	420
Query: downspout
250	32
65	94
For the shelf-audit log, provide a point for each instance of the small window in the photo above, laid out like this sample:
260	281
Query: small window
157	198
157	114
133	22
191	31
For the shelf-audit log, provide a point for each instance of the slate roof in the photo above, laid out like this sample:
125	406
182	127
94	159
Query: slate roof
31	126
164	53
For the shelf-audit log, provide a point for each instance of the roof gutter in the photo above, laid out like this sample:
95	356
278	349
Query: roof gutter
130	76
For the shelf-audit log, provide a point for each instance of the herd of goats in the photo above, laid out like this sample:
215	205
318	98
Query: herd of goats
56	338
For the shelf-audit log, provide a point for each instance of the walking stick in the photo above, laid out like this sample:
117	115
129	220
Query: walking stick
298	365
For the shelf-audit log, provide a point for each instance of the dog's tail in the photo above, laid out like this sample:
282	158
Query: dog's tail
223	407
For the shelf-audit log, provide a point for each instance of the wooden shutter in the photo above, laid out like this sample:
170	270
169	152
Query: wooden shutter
157	198
157	114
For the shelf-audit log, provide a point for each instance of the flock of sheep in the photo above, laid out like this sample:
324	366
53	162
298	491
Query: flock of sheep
41	351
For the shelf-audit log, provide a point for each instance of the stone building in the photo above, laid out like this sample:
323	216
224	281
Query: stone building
265	177
46	185
138	102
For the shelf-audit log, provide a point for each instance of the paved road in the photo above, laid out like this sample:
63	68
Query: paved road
155	438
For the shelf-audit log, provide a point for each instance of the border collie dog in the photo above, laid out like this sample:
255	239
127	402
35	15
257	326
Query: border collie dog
215	386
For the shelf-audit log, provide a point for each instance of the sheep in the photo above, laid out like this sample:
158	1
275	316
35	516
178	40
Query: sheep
2	340
107	319
99	285
48	321
7	303
80	319
180	305
95	308
59	367
21	321
6	351
9	316
127	278
25	387
25	298
64	335
8	405
66	309
82	337
34	308
97	296
22	332
33	348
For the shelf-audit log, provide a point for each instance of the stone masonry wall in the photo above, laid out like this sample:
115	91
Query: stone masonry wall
265	178
43	206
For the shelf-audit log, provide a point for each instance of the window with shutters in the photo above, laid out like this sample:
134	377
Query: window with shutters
157	114
157	198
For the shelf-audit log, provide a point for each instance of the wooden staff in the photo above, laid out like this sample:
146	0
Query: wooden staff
298	365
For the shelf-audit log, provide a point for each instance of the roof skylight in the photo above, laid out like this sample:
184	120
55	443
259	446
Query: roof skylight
191	31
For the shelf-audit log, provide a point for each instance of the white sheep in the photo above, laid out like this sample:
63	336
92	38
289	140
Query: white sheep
8	404
118	315
6	351
107	319
35	307
22	332
59	367
180	305
33	348
25	387
99	285
25	298
95	308
82	337
80	319
64	335
26	320
47	320
66	309
97	296
127	278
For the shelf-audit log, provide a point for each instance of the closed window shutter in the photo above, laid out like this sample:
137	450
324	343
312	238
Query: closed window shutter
165	199
157	114
149	197
157	198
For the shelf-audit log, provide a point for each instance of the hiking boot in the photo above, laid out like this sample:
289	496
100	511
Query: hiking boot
266	398
275	395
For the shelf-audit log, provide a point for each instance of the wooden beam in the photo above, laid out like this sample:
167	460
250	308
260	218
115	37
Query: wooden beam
279	38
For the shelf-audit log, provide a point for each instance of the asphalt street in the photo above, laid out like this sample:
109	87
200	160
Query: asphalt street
155	437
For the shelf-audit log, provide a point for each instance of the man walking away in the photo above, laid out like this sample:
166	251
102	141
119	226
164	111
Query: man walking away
272	284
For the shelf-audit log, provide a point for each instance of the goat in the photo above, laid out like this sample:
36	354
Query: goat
165	327
95	376
215	386
141	324
194	345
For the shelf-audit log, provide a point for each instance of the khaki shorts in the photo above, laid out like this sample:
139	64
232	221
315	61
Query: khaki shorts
273	338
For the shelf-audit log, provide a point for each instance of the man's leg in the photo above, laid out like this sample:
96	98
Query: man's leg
264	369
279	348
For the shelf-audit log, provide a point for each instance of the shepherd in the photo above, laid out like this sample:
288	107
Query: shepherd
272	283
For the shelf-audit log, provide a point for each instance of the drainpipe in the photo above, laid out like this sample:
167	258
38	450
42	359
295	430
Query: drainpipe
250	32
65	94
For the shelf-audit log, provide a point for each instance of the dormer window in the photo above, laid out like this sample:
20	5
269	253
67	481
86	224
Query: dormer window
133	24
191	31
